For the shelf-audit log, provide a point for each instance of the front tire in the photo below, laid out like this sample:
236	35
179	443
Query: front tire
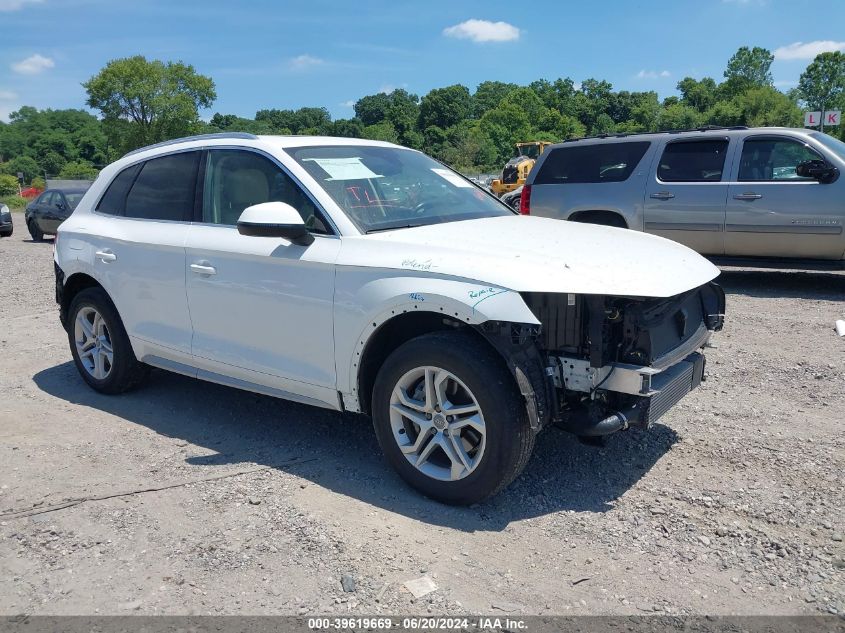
449	418
100	346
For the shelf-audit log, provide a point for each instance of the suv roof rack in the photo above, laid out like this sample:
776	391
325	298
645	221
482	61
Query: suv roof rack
198	137
703	128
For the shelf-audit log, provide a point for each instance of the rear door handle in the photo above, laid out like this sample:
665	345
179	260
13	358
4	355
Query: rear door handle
105	256
663	195
748	196
203	269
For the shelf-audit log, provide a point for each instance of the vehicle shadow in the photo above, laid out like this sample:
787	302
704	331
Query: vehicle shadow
242	427
770	284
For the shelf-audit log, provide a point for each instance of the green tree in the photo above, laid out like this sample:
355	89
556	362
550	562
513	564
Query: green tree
748	68
8	185
822	84
700	95
445	107
21	164
679	117
489	94
78	170
159	100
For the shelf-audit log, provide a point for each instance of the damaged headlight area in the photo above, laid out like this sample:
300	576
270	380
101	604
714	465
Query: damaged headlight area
612	362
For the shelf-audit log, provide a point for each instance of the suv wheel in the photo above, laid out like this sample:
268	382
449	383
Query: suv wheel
99	344
449	418
36	233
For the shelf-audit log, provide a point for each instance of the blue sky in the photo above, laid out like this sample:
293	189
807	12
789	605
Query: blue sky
280	54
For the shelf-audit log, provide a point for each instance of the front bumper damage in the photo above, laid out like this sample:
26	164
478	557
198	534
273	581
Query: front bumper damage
616	362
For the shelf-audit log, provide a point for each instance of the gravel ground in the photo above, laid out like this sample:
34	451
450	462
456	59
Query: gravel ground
190	498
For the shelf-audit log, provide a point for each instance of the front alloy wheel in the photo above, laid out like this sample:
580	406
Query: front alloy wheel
437	423
449	417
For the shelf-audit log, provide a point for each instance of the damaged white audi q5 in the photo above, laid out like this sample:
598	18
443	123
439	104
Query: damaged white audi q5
362	276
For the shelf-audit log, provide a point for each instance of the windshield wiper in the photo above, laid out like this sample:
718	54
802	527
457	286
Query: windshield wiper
391	228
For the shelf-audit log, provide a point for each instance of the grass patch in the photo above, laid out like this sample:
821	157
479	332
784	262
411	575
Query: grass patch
15	203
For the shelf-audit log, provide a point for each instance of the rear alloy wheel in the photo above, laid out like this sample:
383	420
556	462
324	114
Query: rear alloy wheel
449	418
100	347
93	343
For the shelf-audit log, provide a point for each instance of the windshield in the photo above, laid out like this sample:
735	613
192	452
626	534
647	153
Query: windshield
382	188
833	144
73	199
531	151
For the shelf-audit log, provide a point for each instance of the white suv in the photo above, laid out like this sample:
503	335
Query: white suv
362	276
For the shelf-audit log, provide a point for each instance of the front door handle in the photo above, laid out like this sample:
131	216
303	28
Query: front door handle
663	195
105	256
203	269
748	195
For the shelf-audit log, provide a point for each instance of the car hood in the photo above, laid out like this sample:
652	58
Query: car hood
531	254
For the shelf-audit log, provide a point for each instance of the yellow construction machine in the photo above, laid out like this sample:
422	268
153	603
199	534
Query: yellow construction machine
516	169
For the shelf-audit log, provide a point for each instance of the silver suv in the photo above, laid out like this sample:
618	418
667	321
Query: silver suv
725	192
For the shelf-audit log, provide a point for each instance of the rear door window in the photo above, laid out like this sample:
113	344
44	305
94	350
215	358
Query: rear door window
165	189
596	163
693	161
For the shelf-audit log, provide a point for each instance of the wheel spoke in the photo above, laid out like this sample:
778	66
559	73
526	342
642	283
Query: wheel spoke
457	458
430	395
425	453
87	327
417	417
403	397
422	437
475	421
459	409
99	370
441	379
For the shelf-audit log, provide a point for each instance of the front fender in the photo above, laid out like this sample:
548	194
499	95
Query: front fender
366	300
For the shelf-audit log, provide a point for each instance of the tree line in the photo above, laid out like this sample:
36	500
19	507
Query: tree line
142	102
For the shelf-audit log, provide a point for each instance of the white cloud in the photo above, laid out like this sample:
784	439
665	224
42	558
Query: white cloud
8	95
15	5
652	74
483	31
304	62
808	50
348	104
33	65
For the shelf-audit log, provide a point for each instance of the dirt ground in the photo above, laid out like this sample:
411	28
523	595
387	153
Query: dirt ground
208	500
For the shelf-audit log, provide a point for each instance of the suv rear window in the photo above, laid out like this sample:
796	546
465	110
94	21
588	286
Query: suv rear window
599	162
693	161
165	188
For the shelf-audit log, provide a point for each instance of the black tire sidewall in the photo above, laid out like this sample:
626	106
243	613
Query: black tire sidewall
119	377
34	232
486	376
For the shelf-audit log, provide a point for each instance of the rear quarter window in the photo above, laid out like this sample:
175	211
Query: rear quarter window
114	200
597	163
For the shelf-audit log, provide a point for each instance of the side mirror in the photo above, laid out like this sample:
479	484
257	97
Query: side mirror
817	170
274	219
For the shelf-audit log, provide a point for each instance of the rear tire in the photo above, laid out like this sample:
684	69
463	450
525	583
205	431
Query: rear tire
457	459
36	233
7	233
100	346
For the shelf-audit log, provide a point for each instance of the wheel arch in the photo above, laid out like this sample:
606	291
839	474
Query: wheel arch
389	336
72	286
605	217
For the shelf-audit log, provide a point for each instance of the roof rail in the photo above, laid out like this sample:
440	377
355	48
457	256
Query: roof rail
198	137
704	128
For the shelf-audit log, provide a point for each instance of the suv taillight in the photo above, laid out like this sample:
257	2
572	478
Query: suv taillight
525	200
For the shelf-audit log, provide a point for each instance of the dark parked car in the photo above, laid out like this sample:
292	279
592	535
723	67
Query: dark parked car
44	214
5	221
